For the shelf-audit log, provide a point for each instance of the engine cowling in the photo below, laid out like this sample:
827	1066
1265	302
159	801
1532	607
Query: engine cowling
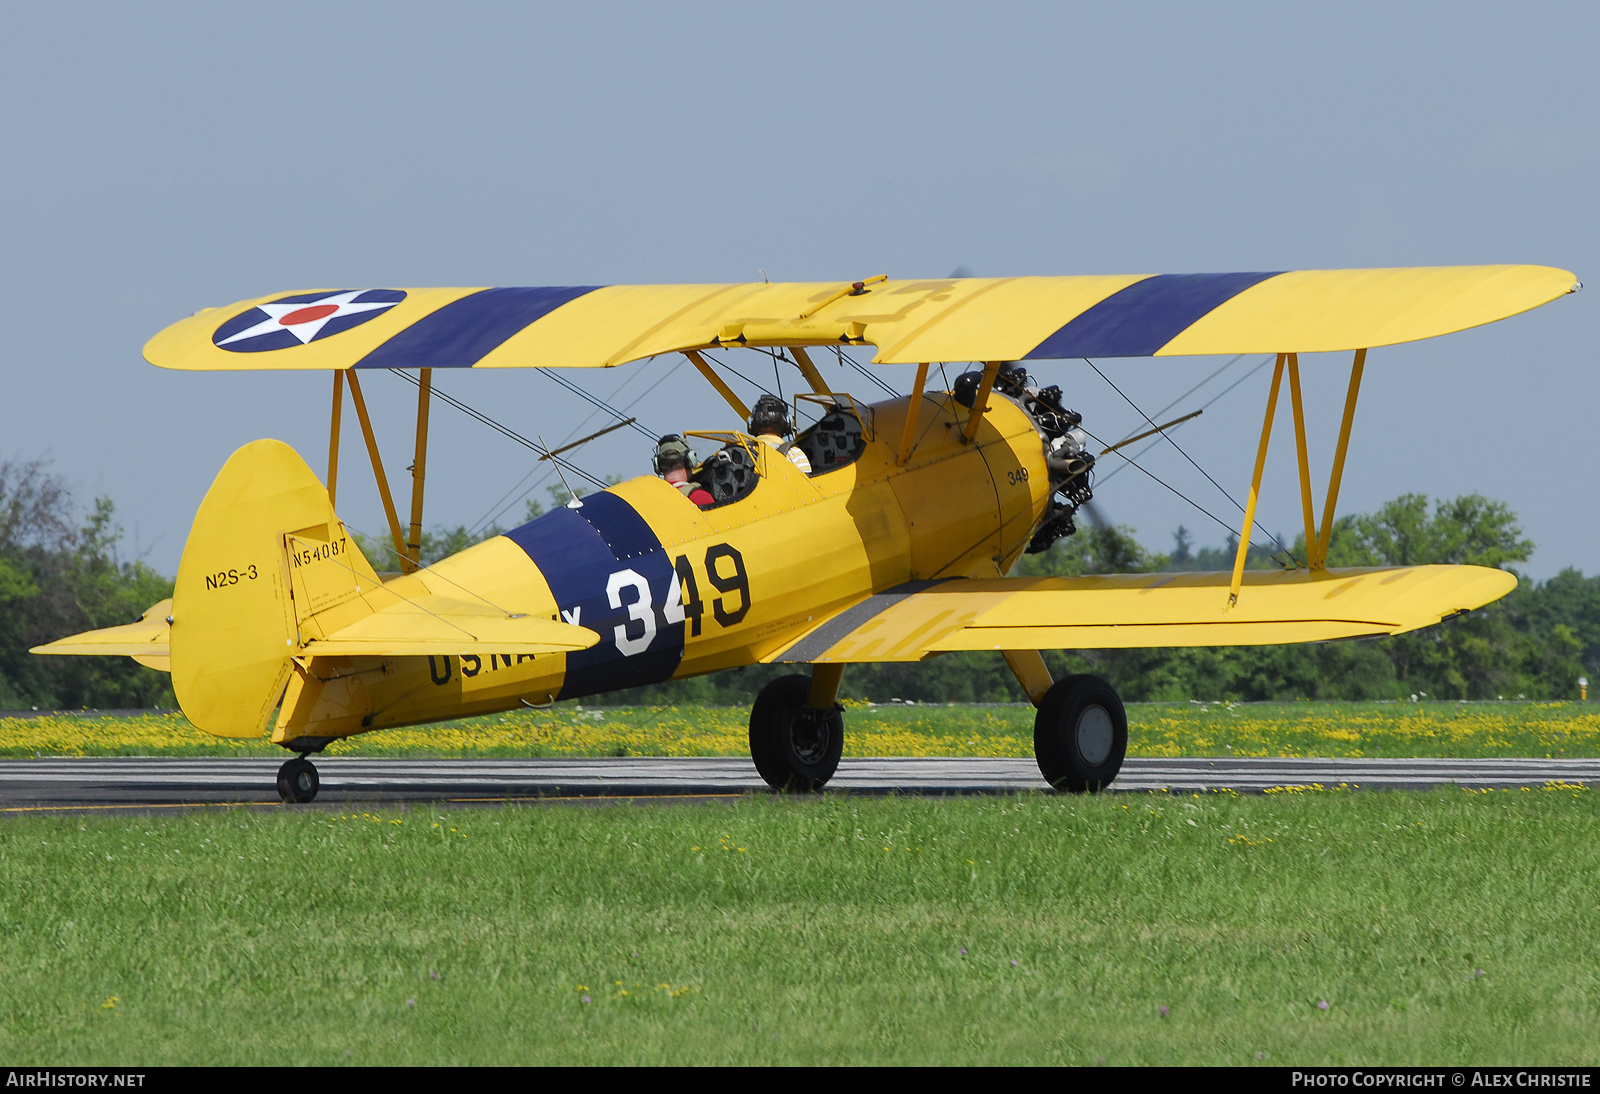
1067	457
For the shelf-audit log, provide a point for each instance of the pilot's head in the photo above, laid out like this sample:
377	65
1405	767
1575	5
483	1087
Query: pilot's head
672	454
770	416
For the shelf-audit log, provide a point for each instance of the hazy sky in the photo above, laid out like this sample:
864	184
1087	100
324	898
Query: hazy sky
161	159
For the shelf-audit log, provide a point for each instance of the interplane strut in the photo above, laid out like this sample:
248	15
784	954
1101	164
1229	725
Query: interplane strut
1316	540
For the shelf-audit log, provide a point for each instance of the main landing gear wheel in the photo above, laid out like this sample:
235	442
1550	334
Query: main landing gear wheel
297	780
1080	734
794	747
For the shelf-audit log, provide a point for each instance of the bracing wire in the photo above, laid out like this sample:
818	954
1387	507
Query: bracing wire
500	507
582	394
838	351
1186	456
1207	406
1224	525
612	398
1194	389
776	358
723	361
497	427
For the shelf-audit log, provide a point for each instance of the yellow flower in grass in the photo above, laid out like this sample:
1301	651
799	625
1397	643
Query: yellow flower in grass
1155	730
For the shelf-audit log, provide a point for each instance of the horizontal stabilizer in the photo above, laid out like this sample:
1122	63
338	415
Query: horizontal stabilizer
1126	611
432	624
147	641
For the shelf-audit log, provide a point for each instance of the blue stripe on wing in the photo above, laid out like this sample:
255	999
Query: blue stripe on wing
1140	319
465	331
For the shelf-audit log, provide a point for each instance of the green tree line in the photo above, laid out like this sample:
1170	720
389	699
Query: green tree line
60	573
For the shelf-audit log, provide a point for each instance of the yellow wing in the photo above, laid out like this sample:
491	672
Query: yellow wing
965	319
1122	611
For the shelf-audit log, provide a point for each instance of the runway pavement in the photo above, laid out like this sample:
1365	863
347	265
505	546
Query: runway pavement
140	783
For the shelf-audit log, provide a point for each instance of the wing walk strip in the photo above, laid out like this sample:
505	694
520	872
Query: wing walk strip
141	782
816	644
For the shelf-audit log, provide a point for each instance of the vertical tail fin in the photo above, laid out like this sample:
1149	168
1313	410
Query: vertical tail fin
265	554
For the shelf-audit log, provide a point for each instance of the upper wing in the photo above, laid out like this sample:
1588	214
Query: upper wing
1140	610
964	319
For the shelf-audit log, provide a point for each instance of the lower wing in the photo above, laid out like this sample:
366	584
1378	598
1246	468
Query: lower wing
1121	611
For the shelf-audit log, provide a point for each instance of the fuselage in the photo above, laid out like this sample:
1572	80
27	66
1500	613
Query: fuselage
674	591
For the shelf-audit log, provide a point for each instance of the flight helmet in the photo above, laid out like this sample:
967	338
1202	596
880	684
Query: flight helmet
672	451
771	415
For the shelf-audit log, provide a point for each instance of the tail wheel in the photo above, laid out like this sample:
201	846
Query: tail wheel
1080	734
297	780
794	747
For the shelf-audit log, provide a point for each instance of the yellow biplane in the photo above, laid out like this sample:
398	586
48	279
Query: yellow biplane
894	547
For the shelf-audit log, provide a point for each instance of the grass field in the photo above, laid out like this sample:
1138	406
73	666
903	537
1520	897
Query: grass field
1304	927
1155	729
1330	927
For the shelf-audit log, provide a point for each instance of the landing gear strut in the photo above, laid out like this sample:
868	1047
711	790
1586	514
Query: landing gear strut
1080	734
795	746
297	780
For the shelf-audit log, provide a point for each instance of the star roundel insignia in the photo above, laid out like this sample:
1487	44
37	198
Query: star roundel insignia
295	320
